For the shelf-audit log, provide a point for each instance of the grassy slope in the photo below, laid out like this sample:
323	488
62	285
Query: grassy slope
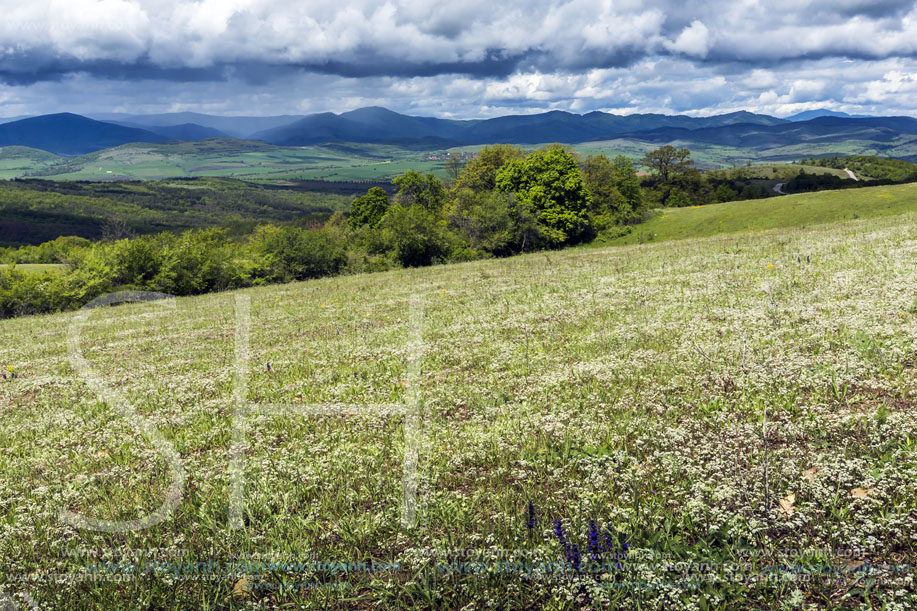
256	160
626	385
17	160
775	213
240	159
36	267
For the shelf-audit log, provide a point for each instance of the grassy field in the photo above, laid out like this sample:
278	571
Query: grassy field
37	267
18	160
725	422
236	159
344	162
774	214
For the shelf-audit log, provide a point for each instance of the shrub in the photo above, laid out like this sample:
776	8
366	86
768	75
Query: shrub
291	253
414	236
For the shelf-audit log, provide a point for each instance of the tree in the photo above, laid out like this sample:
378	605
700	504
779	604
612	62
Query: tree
480	174
454	165
607	201
628	184
668	162
485	219
368	209
292	253
724	193
415	189
413	235
550	183
675	174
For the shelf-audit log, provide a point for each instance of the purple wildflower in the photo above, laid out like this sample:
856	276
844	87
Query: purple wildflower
593	534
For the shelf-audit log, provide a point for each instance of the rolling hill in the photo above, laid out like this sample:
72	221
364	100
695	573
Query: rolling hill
781	213
234	126
370	143
822	112
188	132
70	134
880	129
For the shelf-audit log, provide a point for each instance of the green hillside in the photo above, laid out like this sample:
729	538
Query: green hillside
701	402
16	161
779	213
35	211
239	159
365	161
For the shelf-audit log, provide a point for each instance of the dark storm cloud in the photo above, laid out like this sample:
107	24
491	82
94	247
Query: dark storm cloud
473	58
26	72
194	41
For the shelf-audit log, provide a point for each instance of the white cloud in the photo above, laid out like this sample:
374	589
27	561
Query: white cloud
458	59
694	40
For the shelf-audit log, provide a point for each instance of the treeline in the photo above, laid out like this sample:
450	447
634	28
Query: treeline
870	167
675	182
502	202
190	263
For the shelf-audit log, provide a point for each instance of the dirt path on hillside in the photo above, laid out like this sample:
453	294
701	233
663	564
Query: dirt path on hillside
851	174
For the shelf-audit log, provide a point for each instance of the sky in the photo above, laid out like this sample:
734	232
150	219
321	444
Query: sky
458	59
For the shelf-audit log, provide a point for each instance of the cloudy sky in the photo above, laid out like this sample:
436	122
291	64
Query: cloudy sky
463	59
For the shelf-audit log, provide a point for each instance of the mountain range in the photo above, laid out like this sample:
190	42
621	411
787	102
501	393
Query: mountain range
70	134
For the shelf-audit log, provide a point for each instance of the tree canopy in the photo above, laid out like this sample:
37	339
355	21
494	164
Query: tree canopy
480	174
369	209
668	162
415	189
550	182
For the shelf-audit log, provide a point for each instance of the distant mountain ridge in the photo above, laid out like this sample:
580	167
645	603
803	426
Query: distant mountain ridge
190	132
808	115
232	126
69	134
378	125
824	129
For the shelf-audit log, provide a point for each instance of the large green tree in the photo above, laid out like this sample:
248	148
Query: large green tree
413	236
549	183
480	173
484	218
668	162
675	178
415	189
368	209
628	184
607	201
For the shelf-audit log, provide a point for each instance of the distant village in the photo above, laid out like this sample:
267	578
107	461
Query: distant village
464	156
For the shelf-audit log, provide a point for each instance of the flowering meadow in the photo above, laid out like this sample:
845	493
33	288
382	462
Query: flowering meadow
716	423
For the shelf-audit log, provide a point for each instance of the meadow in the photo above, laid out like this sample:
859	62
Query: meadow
772	215
16	161
258	161
36	268
233	159
719	422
